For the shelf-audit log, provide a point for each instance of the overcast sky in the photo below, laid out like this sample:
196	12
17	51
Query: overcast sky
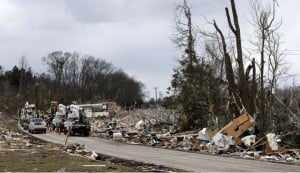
131	34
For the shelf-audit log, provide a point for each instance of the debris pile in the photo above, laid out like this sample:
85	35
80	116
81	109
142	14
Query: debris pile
136	122
12	141
157	129
80	150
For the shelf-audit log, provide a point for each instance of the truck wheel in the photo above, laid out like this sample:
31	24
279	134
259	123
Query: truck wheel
86	133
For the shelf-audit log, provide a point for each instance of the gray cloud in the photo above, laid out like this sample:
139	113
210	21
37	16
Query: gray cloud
91	11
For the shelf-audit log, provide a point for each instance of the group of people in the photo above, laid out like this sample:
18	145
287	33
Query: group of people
60	127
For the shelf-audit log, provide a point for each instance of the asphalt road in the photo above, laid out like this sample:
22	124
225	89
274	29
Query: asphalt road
174	159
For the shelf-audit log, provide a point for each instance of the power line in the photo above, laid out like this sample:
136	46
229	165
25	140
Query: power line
293	50
293	54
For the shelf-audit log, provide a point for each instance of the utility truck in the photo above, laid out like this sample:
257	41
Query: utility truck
76	121
60	115
26	114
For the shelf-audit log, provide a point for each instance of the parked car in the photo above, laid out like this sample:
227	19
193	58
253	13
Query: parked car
37	125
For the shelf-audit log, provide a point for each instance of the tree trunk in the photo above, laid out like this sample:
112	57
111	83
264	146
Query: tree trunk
262	90
243	86
228	67
253	93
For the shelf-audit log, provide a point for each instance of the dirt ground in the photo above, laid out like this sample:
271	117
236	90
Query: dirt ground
43	160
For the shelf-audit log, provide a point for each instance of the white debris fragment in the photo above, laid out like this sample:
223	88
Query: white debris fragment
250	154
139	124
272	141
289	158
117	135
222	141
248	140
94	165
186	144
269	158
202	135
94	154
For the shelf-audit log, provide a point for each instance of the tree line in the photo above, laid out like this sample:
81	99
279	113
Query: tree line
69	77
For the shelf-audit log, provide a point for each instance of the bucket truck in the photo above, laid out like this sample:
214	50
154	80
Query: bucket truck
26	114
76	122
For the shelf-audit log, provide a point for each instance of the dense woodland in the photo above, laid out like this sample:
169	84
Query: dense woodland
69	78
211	86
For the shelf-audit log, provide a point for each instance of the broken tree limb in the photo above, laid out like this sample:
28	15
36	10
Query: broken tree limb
287	134
257	142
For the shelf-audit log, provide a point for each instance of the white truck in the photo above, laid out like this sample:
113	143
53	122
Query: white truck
60	115
76	122
26	114
95	110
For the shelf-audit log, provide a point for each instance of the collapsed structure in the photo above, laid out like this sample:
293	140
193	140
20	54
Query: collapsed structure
159	128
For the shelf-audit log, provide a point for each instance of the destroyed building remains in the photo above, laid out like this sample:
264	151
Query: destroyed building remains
159	128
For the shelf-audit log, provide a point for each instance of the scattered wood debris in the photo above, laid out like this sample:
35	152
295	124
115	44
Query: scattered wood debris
236	138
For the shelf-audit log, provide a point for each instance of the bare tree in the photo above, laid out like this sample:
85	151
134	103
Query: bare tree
264	21
72	70
235	28
56	61
185	80
195	80
277	70
23	67
239	89
277	67
92	76
228	63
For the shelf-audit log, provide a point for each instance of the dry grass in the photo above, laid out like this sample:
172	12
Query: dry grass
44	160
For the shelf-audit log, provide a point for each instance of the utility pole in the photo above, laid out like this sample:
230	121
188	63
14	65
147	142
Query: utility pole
155	94
160	95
